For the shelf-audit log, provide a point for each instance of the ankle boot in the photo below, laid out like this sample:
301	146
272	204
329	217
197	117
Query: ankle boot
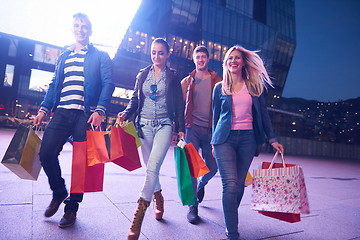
159	205
134	231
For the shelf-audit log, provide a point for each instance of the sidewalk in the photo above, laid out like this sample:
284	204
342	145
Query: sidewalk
333	188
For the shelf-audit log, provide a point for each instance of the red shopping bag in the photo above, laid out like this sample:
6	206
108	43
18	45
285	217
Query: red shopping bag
97	151
197	165
123	149
85	178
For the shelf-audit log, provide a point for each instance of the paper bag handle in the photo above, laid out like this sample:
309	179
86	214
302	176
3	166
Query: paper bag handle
274	158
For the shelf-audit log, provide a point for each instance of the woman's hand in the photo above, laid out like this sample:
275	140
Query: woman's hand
278	147
121	116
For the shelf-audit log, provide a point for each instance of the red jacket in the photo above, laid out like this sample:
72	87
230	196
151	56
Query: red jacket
187	85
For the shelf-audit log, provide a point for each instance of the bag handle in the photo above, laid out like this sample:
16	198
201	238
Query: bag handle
97	128
274	158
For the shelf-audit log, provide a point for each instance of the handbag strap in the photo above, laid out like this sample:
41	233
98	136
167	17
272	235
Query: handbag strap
98	128
275	157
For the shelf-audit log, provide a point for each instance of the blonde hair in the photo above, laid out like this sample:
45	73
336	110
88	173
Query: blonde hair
253	73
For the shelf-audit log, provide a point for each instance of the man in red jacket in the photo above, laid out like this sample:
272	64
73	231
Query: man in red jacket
197	91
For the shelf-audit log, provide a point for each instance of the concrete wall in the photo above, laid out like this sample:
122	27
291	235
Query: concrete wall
297	146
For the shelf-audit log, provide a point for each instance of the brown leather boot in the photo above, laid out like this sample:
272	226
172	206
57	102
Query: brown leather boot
134	231
159	205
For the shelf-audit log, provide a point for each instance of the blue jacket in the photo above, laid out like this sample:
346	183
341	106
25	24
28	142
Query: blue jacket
98	84
174	99
222	118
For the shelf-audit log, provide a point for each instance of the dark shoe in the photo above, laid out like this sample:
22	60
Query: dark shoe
54	206
68	219
192	215
200	194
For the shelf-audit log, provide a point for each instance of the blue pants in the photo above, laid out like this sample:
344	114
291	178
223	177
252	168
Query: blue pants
234	158
64	123
200	137
155	144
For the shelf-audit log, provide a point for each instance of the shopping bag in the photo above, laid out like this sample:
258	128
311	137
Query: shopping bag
197	165
123	150
97	151
184	181
279	191
129	127
85	178
248	179
22	155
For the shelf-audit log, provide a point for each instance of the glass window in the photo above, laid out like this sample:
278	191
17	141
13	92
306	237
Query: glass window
9	75
46	54
122	93
14	43
40	80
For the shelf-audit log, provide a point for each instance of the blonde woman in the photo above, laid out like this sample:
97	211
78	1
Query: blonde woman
241	123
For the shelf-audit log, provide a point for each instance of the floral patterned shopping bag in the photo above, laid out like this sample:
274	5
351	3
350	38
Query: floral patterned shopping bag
279	188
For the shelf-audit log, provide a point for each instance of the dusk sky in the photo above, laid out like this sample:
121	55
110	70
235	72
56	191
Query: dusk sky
326	64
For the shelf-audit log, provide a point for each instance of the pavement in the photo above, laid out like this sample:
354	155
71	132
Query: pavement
332	185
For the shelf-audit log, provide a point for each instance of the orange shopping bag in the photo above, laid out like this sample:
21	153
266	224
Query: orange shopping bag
197	165
97	151
123	149
83	177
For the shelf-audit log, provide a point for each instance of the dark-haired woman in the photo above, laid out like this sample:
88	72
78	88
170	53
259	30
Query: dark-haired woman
158	107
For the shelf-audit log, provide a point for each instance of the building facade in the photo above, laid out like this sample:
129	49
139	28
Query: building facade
268	26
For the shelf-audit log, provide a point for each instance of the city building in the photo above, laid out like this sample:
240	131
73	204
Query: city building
268	26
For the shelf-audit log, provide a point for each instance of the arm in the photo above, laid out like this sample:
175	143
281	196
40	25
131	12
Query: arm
216	105
179	106
107	88
184	87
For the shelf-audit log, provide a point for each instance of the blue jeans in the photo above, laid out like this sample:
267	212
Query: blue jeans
155	144
234	158
64	123
200	137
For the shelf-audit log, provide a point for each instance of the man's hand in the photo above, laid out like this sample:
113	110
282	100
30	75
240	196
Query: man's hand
38	119
95	119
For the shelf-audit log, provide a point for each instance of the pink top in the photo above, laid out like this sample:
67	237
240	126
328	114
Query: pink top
242	110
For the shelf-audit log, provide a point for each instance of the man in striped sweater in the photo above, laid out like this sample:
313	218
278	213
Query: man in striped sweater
78	95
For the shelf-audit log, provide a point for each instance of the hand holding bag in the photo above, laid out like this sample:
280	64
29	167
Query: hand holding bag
279	191
22	155
129	127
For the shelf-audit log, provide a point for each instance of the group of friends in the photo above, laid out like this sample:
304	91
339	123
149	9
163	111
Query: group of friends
224	117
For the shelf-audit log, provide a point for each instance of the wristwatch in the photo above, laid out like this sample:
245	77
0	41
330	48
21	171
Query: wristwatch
101	113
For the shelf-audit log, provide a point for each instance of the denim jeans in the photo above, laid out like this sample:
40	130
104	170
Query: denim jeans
64	123
155	144
234	158
200	137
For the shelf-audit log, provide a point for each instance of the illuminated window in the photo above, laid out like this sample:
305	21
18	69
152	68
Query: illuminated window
45	54
9	75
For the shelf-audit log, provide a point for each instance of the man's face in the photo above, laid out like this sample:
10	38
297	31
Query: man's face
201	61
81	30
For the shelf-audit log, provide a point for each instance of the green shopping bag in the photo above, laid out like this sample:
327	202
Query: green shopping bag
185	187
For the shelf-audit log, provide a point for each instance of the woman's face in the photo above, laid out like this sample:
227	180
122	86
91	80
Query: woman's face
159	54
235	62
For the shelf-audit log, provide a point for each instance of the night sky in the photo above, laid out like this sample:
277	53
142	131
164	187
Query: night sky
326	64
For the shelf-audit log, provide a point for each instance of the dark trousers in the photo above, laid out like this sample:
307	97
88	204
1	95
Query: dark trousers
64	123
